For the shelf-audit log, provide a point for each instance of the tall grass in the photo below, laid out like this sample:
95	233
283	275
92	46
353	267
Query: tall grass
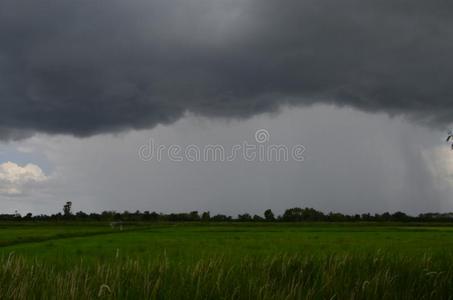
377	276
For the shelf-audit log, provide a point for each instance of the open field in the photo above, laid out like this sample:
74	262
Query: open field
226	261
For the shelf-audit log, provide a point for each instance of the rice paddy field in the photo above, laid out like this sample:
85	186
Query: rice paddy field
226	261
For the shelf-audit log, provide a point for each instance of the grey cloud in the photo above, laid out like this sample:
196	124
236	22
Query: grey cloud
86	67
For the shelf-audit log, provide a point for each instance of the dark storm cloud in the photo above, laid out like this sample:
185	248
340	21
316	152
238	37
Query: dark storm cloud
83	67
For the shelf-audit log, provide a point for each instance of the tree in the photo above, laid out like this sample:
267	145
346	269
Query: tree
81	215
293	214
257	218
67	209
221	218
450	139
194	216
245	217
269	215
298	214
206	216
400	217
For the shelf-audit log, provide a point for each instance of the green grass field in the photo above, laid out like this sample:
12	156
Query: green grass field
226	261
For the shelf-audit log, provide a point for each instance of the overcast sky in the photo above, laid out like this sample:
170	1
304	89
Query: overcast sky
363	86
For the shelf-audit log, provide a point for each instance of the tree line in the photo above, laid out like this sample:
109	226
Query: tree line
295	214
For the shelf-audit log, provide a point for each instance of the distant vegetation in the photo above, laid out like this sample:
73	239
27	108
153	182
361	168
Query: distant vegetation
290	215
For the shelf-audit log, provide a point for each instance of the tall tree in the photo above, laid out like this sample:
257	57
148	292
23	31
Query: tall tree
67	209
269	215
